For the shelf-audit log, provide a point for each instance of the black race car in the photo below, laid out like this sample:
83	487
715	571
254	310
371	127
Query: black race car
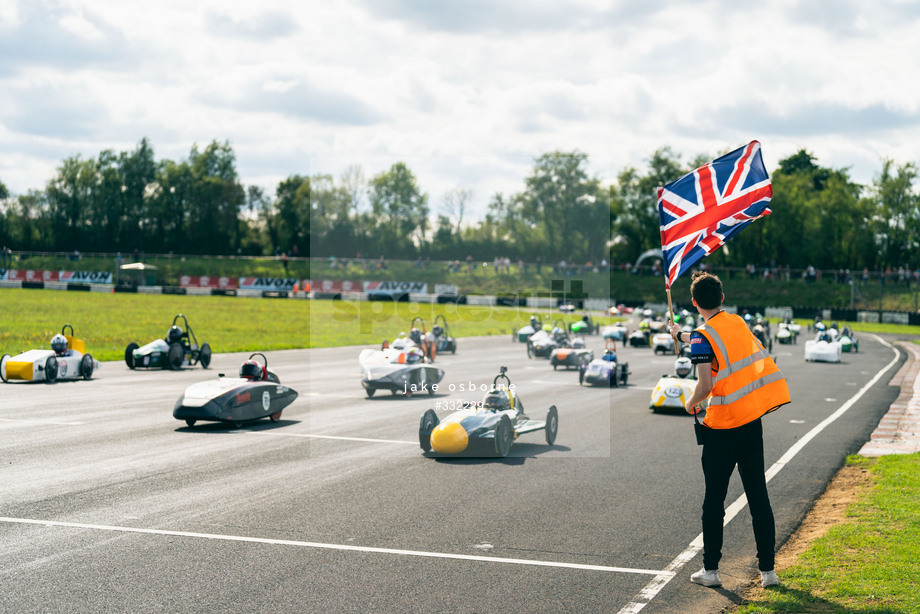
487	428
180	348
257	393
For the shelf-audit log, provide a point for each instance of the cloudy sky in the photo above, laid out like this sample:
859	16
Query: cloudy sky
466	92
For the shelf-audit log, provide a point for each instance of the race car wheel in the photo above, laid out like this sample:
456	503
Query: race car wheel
614	380
275	417
86	366
190	422
426	426
175	355
51	369
204	356
529	350
129	354
370	391
3	360
552	424
624	374
504	435
581	377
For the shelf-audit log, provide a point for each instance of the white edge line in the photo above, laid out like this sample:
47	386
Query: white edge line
303	544
311	436
657	583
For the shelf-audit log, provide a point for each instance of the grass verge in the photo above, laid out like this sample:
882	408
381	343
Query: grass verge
866	564
109	322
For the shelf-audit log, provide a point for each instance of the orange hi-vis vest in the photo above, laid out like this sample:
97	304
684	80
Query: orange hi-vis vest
748	383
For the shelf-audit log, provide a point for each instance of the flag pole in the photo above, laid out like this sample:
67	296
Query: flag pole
671	319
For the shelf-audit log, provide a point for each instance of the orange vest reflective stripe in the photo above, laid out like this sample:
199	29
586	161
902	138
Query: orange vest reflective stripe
748	383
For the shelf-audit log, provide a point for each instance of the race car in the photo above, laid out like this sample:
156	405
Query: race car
848	341
440	334
398	367
525	332
823	348
66	360
179	349
572	353
762	332
423	338
640	338
606	370
663	342
672	391
787	333
617	332
584	326
257	393
542	343
487	428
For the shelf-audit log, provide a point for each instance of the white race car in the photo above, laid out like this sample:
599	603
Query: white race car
617	332
663	342
823	348
65	360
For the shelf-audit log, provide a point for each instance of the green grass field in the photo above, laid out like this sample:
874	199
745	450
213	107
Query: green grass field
867	564
109	322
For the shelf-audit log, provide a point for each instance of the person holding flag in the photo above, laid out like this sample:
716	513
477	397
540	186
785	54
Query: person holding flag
741	382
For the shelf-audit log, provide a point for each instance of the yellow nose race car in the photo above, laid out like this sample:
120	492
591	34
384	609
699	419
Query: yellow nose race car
672	391
484	429
66	360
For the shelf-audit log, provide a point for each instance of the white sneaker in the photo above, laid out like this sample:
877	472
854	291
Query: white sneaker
768	578
707	578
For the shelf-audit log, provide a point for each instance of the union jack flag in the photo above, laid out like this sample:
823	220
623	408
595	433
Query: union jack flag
705	208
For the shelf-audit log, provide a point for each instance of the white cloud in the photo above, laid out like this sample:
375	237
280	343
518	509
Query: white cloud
466	93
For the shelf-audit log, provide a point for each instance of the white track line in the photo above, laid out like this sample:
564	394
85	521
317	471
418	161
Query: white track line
302	544
659	582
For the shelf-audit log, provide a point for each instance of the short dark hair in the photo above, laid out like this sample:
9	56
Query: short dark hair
706	290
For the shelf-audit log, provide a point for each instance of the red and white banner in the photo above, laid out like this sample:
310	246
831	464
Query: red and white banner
28	275
334	285
206	281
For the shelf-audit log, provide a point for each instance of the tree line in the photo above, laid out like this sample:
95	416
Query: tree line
126	201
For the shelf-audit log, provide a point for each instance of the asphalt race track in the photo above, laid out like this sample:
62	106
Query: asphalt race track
108	504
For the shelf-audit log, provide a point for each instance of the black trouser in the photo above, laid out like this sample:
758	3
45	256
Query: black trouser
725	448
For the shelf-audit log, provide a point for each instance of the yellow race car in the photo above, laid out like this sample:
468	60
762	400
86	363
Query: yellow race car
672	391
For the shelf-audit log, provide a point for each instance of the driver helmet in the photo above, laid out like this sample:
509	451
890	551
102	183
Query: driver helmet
415	334
825	336
414	355
59	344
578	342
610	356
174	335
251	370
436	330
497	400
683	367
